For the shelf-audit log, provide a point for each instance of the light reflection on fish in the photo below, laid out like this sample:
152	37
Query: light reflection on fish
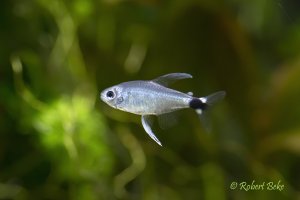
153	97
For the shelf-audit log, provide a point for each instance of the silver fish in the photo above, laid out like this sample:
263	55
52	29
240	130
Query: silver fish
153	97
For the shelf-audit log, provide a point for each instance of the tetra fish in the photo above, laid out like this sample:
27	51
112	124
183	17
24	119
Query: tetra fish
153	97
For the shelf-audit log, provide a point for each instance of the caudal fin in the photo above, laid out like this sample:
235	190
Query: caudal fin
202	106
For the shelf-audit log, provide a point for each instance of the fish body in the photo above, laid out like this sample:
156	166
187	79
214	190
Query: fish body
153	97
149	98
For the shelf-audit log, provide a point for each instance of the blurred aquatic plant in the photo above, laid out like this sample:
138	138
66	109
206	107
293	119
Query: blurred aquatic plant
70	132
73	132
137	166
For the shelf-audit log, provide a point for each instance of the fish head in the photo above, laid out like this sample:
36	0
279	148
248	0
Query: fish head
112	96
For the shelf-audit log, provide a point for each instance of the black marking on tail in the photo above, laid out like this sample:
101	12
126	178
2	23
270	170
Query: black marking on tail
196	103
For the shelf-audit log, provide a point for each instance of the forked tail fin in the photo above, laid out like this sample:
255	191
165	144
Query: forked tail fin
202	106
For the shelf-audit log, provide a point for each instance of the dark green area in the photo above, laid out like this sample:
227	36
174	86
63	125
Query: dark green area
59	141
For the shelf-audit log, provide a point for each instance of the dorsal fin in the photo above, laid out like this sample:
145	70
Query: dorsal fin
167	79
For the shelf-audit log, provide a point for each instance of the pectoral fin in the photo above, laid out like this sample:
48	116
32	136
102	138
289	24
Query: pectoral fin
167	79
146	124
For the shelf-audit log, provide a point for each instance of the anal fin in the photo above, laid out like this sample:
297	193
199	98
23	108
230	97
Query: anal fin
167	120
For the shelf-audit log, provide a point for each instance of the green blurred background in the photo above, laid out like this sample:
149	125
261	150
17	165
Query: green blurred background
59	141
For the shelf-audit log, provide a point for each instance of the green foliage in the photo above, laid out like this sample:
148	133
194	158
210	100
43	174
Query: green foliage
74	135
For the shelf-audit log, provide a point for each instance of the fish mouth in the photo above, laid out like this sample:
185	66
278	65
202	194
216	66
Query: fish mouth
102	96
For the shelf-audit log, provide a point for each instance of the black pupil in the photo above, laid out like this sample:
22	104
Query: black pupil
110	94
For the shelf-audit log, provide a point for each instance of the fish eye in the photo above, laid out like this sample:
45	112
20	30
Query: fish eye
110	94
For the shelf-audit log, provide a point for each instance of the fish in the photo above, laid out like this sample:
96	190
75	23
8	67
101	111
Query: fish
154	98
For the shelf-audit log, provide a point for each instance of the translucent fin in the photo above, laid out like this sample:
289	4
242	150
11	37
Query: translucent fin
204	117
214	98
146	121
167	79
167	120
203	113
